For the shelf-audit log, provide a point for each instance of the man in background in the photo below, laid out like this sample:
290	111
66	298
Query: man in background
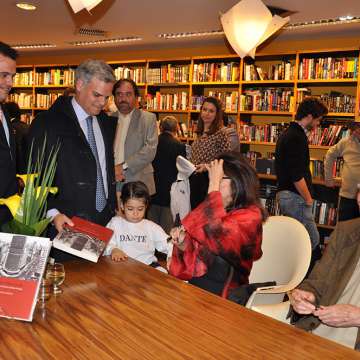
8	182
349	149
292	165
85	165
136	138
165	172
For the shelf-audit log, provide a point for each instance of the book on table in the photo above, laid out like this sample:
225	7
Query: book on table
85	239
22	264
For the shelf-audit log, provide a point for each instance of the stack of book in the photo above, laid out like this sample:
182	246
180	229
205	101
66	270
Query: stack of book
56	77
25	78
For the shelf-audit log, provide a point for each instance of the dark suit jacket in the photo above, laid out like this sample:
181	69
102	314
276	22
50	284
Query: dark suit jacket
8	183
332	273
164	164
76	166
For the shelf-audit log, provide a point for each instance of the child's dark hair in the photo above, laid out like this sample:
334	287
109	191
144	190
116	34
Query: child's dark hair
135	190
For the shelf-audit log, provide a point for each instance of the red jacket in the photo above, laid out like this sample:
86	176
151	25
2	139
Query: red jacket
210	230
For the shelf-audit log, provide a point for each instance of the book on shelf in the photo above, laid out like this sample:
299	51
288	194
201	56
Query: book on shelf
270	99
168	73
282	71
22	264
159	101
328	68
138	74
55	77
85	239
216	72
24	78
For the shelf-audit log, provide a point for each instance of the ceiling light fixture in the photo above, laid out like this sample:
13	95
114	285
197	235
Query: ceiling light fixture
107	41
190	34
248	24
78	5
32	46
26	6
324	22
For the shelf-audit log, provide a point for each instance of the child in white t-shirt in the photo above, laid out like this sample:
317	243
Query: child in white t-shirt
134	235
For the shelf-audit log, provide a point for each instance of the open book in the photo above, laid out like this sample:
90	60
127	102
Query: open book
85	239
22	264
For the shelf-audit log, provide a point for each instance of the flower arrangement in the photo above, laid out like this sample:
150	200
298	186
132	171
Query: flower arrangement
29	208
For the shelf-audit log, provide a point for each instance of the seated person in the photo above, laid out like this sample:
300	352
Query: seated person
224	231
329	300
134	235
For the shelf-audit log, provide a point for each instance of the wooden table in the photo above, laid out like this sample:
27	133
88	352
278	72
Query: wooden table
131	311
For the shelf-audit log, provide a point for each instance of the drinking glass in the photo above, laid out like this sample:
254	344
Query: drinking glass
55	273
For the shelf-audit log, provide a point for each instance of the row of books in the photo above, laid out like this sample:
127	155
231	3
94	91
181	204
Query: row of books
212	72
138	74
56	77
339	103
229	100
46	100
263	133
270	99
177	101
317	168
328	136
328	68
168	74
24	100
324	213
25	78
282	71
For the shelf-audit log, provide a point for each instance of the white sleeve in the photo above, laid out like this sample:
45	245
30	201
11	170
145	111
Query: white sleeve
113	243
160	238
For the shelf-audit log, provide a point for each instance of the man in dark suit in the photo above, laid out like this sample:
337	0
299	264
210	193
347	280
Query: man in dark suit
165	172
85	166
8	183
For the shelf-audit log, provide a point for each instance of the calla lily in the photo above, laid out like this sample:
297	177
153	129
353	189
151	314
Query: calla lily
13	203
24	177
52	190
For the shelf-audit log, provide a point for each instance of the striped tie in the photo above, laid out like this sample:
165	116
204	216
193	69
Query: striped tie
100	190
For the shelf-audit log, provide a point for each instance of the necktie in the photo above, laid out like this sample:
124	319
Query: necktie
100	191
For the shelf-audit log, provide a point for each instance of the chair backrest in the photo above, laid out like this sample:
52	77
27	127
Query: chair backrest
286	250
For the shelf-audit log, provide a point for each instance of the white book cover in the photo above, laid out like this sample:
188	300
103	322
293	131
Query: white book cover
22	264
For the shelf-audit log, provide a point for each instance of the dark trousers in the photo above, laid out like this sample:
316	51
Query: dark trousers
348	209
199	183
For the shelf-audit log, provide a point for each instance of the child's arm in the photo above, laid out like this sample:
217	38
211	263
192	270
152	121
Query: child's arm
118	255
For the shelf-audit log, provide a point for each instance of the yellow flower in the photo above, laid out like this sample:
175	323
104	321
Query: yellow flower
24	177
52	190
12	202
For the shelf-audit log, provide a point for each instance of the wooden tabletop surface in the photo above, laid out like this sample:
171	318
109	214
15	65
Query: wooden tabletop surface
131	311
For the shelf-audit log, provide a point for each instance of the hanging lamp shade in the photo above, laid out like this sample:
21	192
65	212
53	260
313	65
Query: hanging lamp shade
78	5
249	23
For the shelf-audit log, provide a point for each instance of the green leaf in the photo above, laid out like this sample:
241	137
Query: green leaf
16	227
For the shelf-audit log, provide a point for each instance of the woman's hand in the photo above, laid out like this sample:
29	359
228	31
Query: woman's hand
216	173
177	235
200	168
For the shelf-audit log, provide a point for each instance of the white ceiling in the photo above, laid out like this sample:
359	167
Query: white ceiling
53	21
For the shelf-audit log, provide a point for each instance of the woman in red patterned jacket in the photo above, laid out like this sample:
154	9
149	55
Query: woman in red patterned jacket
218	241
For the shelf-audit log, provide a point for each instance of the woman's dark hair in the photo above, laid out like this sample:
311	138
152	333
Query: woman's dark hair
244	182
131	82
135	190
218	121
311	106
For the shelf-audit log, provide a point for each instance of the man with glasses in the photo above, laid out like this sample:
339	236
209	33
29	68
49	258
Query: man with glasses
8	183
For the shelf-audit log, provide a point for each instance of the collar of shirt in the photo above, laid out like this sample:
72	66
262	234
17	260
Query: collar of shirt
127	116
81	114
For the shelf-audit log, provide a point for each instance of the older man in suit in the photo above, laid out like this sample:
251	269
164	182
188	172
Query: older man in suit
85	165
8	183
136	137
